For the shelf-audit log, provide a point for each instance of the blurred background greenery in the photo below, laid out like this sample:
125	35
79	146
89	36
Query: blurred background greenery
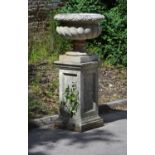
46	45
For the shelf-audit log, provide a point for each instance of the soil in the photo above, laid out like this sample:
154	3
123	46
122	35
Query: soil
43	87
112	84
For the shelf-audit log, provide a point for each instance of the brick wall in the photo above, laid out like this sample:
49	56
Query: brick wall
38	11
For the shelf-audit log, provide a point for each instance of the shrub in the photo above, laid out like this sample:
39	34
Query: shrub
111	44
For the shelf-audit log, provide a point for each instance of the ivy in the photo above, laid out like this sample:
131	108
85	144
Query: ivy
111	45
70	104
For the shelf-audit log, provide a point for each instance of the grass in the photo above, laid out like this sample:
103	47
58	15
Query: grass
43	97
41	49
44	49
43	94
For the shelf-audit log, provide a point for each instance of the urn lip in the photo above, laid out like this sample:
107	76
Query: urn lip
79	17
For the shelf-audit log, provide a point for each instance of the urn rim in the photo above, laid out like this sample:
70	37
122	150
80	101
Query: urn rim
79	17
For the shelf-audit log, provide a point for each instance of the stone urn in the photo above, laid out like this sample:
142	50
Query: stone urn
79	67
79	27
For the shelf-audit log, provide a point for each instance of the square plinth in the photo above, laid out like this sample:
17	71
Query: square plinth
85	76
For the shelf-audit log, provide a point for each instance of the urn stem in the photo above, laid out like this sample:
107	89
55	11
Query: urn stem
79	46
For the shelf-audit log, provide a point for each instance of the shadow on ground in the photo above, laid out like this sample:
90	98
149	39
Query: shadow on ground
50	138
111	115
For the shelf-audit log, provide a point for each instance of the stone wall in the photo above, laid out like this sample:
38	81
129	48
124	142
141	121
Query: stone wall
38	13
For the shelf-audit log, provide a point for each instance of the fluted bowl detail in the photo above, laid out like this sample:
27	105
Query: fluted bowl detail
79	33
79	26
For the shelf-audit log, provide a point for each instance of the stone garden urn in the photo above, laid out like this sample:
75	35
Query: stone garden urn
78	72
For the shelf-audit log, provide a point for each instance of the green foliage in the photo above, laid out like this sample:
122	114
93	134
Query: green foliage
39	48
43	99
70	103
111	44
77	6
35	108
46	45
43	90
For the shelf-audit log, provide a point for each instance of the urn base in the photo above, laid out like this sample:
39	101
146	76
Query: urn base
77	57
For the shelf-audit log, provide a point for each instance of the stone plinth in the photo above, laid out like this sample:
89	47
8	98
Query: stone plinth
78	72
83	71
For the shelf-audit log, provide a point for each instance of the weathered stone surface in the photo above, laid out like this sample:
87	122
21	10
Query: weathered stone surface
79	17
79	33
77	53
85	75
77	58
80	69
79	26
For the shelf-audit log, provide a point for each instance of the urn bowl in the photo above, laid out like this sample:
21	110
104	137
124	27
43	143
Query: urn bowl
79	26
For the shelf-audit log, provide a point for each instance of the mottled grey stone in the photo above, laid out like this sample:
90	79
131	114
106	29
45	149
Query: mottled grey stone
79	68
85	75
79	26
77	58
79	17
